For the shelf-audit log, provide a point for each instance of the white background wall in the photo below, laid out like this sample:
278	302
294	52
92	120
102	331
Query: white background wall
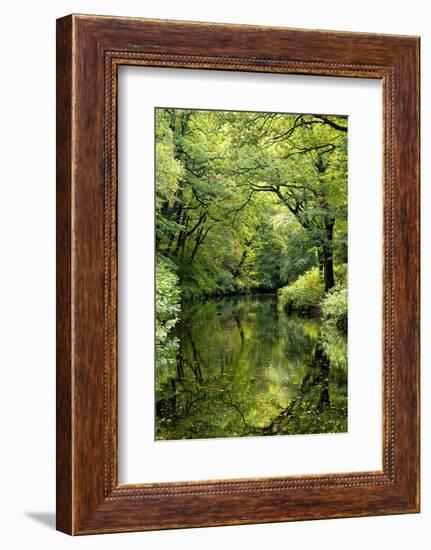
27	248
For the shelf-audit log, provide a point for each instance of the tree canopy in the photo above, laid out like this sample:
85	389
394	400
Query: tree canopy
249	201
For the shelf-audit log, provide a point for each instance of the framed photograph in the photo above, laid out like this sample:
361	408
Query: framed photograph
237	274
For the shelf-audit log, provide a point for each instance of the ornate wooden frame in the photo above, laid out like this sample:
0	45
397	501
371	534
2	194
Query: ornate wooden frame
89	51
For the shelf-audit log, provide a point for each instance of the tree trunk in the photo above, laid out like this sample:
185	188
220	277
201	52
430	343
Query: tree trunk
201	236
182	234
328	260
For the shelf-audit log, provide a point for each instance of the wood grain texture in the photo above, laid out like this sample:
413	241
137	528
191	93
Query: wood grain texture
90	49
64	497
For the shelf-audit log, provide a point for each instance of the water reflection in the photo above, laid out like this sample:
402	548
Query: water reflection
240	367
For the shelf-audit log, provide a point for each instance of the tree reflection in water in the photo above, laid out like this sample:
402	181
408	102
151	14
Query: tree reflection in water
243	368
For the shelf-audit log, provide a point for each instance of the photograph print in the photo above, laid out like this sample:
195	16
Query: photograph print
251	274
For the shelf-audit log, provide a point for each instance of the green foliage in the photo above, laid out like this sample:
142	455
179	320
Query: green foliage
298	255
259	196
334	308
225	282
168	168
304	294
340	271
307	294
167	316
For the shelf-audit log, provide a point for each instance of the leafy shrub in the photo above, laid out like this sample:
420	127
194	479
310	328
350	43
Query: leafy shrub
308	292
167	313
304	294
340	271
334	308
196	282
225	282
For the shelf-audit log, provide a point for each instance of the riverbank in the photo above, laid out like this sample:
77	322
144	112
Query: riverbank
308	296
230	294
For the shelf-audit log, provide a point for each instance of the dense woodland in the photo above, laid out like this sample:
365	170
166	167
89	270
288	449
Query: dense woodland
250	202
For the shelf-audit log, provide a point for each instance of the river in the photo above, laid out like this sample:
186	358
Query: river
242	368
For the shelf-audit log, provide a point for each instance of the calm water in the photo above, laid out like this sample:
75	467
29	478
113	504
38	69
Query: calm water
240	368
